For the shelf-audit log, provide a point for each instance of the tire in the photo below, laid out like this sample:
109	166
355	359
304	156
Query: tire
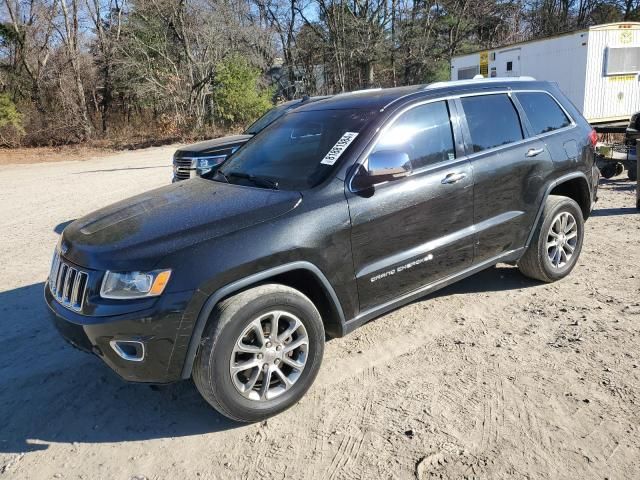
608	170
232	330
537	261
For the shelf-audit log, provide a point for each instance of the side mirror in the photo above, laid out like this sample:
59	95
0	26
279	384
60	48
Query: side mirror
386	165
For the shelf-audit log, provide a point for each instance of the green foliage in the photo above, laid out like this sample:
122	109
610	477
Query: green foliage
238	98
11	129
7	34
9	115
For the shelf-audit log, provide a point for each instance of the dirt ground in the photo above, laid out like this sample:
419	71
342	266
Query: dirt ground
494	377
10	156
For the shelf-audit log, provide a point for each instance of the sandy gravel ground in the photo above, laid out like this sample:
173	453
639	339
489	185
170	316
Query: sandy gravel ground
495	377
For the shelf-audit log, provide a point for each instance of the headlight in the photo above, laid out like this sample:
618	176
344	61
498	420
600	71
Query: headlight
206	164
127	285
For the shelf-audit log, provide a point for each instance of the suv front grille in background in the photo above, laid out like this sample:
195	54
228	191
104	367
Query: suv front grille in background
67	284
182	168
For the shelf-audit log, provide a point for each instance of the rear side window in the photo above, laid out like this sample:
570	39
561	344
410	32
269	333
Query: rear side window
543	112
493	121
423	133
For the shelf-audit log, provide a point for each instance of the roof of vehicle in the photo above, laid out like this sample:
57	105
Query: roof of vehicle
381	98
305	99
362	99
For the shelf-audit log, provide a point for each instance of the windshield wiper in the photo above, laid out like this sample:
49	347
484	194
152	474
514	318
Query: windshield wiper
256	180
224	177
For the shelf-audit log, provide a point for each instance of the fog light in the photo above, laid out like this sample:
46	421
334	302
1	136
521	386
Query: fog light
130	350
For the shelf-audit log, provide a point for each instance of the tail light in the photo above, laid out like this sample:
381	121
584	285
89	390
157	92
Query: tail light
593	136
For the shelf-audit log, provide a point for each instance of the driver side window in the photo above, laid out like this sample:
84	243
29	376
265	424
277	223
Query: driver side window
423	133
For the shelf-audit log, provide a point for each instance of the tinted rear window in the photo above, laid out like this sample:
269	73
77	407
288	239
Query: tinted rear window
493	121
543	112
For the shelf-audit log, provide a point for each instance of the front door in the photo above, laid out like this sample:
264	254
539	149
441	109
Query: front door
410	232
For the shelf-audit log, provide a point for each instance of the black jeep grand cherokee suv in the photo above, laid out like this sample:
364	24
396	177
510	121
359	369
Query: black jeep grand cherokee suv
335	214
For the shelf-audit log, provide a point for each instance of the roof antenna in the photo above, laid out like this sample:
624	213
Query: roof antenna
305	98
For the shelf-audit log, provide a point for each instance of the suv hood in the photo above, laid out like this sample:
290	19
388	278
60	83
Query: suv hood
139	231
212	146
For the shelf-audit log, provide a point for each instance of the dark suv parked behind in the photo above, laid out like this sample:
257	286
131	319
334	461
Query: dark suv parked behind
201	158
338	212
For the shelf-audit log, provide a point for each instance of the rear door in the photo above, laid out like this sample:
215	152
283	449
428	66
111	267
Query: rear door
549	122
509	168
413	231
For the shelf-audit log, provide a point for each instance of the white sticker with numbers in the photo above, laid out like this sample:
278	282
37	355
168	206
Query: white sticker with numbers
340	146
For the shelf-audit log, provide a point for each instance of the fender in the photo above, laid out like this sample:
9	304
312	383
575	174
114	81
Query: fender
551	186
240	284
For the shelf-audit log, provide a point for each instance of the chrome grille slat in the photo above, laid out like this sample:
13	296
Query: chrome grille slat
67	284
61	277
55	266
61	273
74	293
182	168
183	162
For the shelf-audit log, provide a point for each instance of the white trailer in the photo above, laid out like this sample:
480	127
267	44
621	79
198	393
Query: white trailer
597	68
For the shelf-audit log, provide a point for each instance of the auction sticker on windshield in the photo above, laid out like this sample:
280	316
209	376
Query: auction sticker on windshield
340	146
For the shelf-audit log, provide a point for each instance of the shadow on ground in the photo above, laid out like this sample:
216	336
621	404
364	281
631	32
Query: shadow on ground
50	392
121	169
495	279
610	212
619	184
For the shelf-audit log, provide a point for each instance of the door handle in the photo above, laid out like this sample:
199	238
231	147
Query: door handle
532	152
453	178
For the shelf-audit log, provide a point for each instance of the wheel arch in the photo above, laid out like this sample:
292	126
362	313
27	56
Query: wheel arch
575	186
302	276
577	189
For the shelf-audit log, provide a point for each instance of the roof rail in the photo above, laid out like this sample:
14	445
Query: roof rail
364	90
453	83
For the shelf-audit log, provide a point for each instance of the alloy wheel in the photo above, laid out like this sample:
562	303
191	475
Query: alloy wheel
562	239
269	356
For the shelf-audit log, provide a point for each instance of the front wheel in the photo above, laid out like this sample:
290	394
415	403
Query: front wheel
557	241
260	352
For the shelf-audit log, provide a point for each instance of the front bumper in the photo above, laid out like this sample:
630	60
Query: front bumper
161	329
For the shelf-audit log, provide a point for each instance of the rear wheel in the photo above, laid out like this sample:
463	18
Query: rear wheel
557	241
610	170
260	353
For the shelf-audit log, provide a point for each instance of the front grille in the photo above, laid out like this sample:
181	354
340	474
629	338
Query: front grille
182	168
67	284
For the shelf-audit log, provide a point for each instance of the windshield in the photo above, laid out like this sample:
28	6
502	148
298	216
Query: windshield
269	117
298	151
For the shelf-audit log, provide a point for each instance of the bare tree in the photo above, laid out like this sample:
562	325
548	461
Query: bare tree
152	65
32	24
106	17
70	36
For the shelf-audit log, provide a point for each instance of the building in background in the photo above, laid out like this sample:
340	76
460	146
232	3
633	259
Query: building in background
597	68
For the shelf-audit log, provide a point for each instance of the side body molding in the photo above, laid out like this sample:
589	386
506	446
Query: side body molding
238	285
